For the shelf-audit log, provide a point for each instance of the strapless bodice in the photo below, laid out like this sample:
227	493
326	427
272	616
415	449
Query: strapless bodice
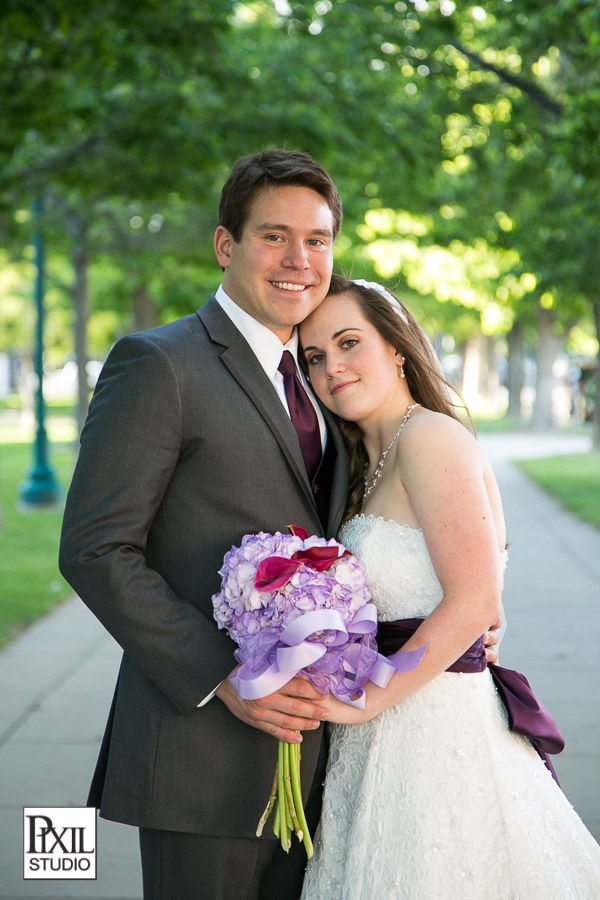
397	566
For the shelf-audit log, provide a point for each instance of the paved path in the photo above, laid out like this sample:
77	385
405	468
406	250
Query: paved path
552	604
56	680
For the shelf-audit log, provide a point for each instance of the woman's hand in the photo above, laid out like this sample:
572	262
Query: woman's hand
492	641
344	713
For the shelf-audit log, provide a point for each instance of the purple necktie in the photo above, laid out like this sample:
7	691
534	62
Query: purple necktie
303	415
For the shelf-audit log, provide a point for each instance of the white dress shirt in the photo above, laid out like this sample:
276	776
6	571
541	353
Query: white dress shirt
268	349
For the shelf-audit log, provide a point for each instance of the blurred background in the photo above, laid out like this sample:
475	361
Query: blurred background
465	142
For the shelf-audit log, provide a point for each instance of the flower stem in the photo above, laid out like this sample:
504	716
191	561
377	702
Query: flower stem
284	816
276	821
295	756
289	752
270	804
286	799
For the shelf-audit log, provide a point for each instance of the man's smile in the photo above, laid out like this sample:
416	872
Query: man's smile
289	286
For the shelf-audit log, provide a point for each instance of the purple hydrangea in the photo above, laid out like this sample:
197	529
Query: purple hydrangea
255	619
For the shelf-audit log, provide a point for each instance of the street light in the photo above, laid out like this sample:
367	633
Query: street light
40	490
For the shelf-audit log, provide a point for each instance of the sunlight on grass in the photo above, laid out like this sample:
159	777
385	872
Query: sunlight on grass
15	429
573	480
30	583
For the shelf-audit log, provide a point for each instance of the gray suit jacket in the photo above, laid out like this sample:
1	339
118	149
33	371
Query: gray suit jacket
186	448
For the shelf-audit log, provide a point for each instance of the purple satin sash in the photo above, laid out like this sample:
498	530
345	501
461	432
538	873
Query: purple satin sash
526	715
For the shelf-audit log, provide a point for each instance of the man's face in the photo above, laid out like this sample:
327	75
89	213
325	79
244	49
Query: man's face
280	269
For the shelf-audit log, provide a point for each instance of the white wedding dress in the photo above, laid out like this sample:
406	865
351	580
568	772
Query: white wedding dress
435	799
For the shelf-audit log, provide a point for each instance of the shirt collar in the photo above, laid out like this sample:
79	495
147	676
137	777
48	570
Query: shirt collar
265	345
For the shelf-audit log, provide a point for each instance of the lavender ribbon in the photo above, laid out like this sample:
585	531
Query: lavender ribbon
526	714
335	656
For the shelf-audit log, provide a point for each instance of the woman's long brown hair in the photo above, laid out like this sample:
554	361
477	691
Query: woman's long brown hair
424	377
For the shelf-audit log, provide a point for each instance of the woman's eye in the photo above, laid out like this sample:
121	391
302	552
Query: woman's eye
316	359
349	343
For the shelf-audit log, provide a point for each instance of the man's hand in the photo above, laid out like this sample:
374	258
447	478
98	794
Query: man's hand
491	641
297	706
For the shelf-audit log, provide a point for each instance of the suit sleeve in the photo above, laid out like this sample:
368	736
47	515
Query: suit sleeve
130	446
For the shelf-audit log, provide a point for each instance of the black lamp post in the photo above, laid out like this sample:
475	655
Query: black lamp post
40	489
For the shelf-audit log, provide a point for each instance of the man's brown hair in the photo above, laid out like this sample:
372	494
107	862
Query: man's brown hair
273	168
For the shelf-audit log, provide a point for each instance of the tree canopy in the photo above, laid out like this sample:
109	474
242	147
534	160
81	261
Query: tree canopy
463	137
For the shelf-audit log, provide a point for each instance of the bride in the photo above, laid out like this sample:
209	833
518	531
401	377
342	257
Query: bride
428	794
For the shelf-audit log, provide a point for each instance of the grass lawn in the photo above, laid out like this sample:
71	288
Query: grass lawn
30	583
573	480
496	424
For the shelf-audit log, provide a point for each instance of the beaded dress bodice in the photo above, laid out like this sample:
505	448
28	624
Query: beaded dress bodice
397	566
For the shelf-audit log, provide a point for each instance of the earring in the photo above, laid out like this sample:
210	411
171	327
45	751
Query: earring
402	375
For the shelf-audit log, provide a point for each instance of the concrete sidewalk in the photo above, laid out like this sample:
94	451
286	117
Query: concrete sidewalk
56	680
552	605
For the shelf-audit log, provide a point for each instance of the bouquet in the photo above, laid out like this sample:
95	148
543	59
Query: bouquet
298	604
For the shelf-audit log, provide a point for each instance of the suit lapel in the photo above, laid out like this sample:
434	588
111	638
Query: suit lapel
238	358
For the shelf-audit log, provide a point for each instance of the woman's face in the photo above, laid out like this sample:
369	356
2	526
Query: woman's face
353	371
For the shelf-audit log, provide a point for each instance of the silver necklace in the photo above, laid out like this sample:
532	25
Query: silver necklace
372	483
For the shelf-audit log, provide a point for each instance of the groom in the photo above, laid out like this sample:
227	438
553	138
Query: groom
188	446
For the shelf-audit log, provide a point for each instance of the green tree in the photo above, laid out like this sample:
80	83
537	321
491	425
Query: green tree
480	120
99	100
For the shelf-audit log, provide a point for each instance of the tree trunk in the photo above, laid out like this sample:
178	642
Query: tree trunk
489	373
516	368
79	293
596	426
144	309
480	376
471	373
548	345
